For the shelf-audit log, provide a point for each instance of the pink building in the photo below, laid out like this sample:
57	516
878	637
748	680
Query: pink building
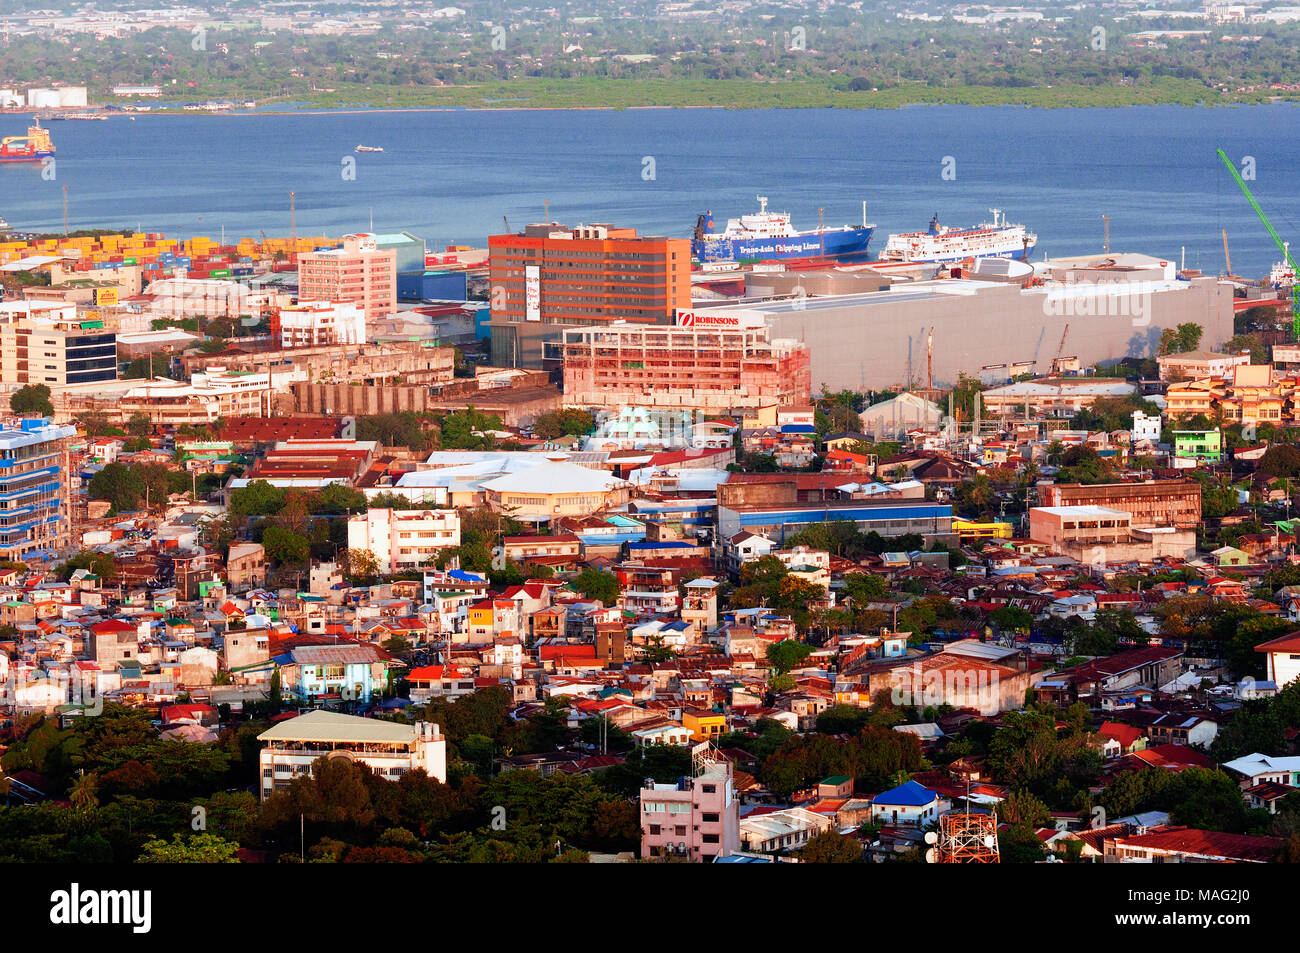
357	272
697	817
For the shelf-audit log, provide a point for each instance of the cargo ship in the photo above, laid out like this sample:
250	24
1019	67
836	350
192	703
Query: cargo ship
770	236
1282	277
370	149
996	239
33	147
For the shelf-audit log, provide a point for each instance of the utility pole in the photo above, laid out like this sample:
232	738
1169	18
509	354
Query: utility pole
929	362
65	211
1105	220
293	222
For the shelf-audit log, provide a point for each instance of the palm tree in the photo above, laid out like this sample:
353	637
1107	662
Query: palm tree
83	791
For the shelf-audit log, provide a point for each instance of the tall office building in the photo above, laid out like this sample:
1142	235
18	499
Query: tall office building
35	496
360	272
550	277
50	345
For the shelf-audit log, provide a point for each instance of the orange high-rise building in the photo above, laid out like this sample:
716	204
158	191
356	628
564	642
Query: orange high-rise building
551	277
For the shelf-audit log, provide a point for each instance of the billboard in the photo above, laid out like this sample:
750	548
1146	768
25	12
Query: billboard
720	321
532	293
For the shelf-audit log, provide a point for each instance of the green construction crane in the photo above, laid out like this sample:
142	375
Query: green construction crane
1281	245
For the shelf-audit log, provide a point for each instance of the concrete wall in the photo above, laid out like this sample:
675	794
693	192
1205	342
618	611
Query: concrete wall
872	346
358	399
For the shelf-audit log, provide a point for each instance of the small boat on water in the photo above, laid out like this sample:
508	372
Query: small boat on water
370	149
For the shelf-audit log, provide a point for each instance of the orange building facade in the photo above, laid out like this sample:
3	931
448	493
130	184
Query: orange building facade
551	277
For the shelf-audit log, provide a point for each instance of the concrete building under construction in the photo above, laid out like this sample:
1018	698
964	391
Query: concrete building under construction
410	360
709	368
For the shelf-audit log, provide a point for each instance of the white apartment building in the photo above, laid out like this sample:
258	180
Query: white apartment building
320	324
403	539
779	831
390	749
210	394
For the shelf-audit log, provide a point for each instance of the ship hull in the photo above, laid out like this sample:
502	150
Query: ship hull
26	157
850	243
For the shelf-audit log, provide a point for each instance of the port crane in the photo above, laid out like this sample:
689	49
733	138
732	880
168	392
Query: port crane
1059	362
1277	240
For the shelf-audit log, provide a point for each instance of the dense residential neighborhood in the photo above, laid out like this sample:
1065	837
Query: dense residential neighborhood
1085	642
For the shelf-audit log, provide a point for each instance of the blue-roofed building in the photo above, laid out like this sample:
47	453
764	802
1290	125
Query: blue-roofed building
35	500
929	520
909	803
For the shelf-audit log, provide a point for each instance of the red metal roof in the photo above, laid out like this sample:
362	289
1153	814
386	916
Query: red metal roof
1193	840
1286	643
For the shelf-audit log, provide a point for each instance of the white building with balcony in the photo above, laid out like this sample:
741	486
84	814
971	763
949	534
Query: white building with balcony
388	748
403	539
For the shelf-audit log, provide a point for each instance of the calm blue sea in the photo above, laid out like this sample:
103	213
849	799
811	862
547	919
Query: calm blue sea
451	176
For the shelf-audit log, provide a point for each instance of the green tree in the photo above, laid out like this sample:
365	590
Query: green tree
1280	460
787	654
119	484
338	498
402	429
862	587
196	849
285	547
102	565
468	430
1189	336
1012	618
831	847
32	399
567	421
597	584
360	564
147	367
139	425
258	498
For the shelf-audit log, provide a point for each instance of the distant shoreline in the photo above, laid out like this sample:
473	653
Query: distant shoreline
606	95
368	110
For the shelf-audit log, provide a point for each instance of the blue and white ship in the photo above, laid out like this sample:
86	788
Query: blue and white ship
995	239
770	236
